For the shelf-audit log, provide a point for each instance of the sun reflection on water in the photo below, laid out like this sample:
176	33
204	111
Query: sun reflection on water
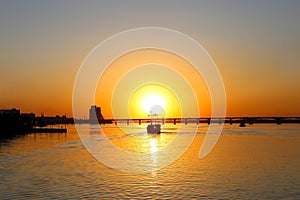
153	150
153	145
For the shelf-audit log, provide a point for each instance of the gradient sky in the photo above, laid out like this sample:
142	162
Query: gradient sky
254	43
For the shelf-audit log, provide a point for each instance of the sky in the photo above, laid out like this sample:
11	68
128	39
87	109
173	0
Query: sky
255	45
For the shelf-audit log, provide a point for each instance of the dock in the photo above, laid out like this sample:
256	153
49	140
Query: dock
12	132
48	130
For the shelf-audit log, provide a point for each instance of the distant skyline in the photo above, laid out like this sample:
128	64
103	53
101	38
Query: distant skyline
255	45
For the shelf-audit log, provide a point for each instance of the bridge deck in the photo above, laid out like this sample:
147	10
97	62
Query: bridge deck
229	120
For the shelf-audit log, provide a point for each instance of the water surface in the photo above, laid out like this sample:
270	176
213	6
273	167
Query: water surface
254	162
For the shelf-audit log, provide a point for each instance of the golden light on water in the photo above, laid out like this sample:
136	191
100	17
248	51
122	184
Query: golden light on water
153	149
153	145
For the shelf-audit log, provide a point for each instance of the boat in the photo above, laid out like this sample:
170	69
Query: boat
242	124
154	128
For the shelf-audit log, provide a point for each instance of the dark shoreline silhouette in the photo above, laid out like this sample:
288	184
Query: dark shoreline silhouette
13	123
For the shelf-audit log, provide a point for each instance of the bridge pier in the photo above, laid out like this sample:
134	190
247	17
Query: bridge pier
174	121
278	121
220	121
242	124
208	121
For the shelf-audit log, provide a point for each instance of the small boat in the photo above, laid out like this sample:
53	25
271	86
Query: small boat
153	128
242	124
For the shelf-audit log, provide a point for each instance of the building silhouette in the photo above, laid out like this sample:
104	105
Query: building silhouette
13	111
13	121
95	114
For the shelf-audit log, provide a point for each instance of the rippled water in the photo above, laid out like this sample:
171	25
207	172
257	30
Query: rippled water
254	162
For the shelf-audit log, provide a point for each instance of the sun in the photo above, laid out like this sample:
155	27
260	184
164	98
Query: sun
153	104
153	99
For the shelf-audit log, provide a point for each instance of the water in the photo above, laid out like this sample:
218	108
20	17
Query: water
254	162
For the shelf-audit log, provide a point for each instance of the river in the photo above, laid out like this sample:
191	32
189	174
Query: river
253	162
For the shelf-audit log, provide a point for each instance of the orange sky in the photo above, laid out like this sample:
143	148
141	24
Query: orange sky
127	67
254	45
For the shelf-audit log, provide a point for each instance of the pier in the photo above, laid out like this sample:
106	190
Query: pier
48	130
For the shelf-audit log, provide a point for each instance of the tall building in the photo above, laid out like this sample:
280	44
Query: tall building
95	114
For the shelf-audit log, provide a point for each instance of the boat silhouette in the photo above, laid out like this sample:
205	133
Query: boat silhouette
153	127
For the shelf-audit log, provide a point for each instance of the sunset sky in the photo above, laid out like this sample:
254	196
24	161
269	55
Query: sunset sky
255	45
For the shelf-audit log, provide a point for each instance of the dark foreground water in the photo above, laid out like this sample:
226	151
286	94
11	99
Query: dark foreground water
254	162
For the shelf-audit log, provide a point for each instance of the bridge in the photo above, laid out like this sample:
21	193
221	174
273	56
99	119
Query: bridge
97	117
227	120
